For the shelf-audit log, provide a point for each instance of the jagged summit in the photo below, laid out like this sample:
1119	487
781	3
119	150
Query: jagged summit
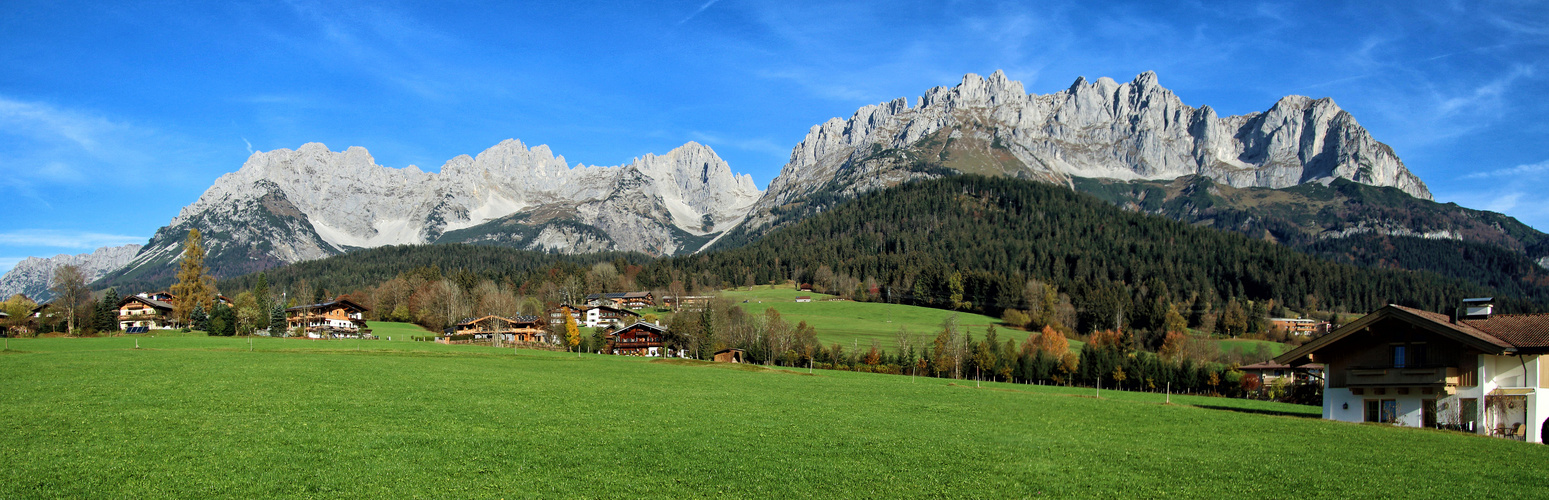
1095	129
287	205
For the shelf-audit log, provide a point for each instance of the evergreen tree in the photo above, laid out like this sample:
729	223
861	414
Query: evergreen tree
199	320
109	315
223	321
277	319
261	296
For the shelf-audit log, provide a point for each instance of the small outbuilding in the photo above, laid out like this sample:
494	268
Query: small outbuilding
729	356
804	298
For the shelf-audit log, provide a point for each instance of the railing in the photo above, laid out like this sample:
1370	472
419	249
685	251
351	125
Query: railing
1402	376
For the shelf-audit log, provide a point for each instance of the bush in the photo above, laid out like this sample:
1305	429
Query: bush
1015	318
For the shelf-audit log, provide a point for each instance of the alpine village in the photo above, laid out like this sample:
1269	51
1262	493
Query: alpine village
979	291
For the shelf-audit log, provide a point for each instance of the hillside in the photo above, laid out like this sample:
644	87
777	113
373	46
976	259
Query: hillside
971	243
416	419
363	268
1353	223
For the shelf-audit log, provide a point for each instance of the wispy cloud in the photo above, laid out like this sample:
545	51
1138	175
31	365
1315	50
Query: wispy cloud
759	145
697	11
1531	170
46	122
6	263
54	238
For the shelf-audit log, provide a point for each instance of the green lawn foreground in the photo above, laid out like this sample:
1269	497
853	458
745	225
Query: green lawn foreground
202	417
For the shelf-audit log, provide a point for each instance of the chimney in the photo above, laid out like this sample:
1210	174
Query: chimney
1478	308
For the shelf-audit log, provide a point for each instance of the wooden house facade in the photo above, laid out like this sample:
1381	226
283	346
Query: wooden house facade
140	313
639	339
626	300
503	328
340	317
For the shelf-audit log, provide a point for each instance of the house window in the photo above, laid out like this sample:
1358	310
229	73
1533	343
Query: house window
1381	410
1398	356
1468	412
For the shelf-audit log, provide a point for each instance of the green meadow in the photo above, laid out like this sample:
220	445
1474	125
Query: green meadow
858	323
197	417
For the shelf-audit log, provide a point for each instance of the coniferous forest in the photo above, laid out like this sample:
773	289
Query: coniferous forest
975	244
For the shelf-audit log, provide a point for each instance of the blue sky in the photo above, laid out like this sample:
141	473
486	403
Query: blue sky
113	117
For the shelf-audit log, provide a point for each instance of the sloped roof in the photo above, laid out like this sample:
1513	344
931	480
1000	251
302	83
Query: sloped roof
1495	335
642	324
619	295
1266	365
150	302
512	319
1521	330
331	303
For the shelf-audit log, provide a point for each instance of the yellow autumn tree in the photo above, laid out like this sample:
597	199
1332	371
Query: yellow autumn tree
572	333
1053	343
195	286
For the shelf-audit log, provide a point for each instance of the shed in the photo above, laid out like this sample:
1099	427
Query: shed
728	356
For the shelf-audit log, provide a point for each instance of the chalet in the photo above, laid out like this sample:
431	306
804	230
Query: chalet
629	300
605	316
1299	326
328	319
687	301
1473	371
639	339
1268	371
505	329
140	313
729	356
593	316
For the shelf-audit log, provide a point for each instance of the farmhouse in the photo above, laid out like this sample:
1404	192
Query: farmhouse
328	319
1299	326
630	300
1474	371
639	339
687	301
509	329
139	313
592	316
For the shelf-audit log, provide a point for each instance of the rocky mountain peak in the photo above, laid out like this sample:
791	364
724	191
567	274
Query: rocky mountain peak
1097	129
32	275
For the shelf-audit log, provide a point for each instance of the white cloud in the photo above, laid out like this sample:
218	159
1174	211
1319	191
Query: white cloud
46	122
759	145
55	238
1531	170
6	263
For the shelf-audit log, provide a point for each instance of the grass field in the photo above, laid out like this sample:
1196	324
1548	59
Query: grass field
853	323
204	417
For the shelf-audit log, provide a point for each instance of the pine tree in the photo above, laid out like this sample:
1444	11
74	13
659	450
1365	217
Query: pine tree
261	296
199	320
195	287
109	306
277	319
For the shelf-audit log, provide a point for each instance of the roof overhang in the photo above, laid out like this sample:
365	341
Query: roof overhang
1390	311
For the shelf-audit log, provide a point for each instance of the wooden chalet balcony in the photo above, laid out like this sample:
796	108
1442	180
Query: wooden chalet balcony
1428	376
141	317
